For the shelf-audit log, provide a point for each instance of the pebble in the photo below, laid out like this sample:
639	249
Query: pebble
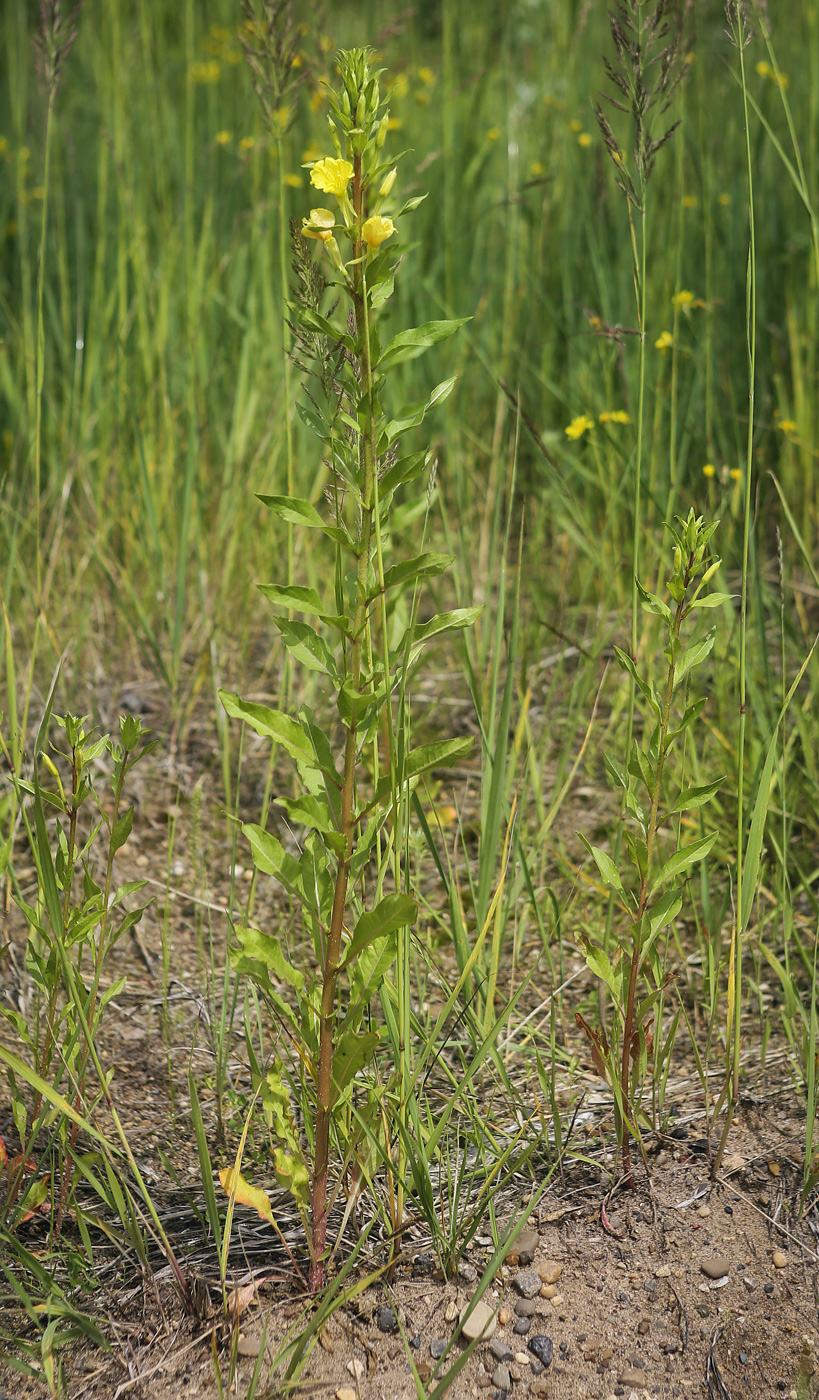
703	1212
542	1348
663	1272
385	1320
643	1326
651	1286
767	1288
749	1283
250	1346
526	1307
773	1168
326	1340
527	1242
716	1268
504	1316
528	1282
501	1377
451	1311
500	1350
480	1323
549	1271
635	1377
522	1326
521	1358
548	1290
680	1134
780	1259
437	1348
345	1392
357	1368
415	1342
467	1272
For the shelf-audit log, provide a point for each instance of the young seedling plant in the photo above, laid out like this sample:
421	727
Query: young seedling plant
653	897
354	778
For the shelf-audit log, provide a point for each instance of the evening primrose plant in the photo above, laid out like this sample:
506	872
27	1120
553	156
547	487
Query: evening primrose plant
354	772
656	797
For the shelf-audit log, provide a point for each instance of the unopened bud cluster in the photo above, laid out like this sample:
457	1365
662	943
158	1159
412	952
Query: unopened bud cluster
689	554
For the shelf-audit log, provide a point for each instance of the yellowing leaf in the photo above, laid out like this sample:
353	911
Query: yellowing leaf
245	1194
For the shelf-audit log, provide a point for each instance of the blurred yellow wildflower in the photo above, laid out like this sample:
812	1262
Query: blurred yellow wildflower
206	71
575	126
377	230
4	145
23	154
664	341
595	323
709	469
788	426
493	133
427	76
536	168
331	175
584	139
689	201
781	79
735	474
317	99
294	181
422	97
394	124
724	199
223	138
682	301
579	426
247	143
616	415
39	192
398	86
763	68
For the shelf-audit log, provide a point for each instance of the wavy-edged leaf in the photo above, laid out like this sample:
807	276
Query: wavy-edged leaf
294	596
406	345
394	911
271	724
271	858
237	1186
693	797
683	858
421	566
307	646
294	510
608	870
693	655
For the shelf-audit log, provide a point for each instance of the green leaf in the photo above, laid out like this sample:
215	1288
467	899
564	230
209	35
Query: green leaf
653	604
693	712
629	666
446	622
391	913
307	646
641	767
408	344
415	416
271	724
312	321
693	655
405	469
122	830
294	510
693	797
266	949
295	596
353	1052
608	870
712	600
664	912
616	771
271	858
421	566
597	960
683	858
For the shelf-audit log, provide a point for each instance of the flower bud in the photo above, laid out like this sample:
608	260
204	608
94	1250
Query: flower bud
361	111
381	134
388	182
677	559
711	570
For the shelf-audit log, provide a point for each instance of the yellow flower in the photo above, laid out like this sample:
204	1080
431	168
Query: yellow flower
781	80
399	87
377	230
23	154
664	341
39	192
206	72
735	474
317	99
427	76
763	68
331	175
575	126
788	426
683	301
584	139
422	97
493	133
4	145
689	201
617	415
247	143
536	168
320	225
394	124
223	138
595	323
294	181
579	426
709	470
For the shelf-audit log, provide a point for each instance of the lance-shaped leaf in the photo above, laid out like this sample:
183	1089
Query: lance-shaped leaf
423	759
294	596
608	870
658	917
352	1053
271	724
421	566
693	712
628	665
652	603
415	416
712	600
405	469
408	344
311	321
693	797
234	1184
391	913
266	950
693	655
452	621
271	858
683	858
307	646
294	510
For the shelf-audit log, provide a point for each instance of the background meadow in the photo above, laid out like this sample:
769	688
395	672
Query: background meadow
148	252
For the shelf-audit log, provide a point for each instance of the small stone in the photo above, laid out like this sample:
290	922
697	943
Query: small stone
345	1392
604	1355
480	1323
774	1168
548	1290
528	1242
521	1358
680	1134
513	1258
732	1162
549	1271
644	1326
482	1381
767	1288
528	1283
663	1272
729	1210
500	1350
451	1311
504	1316
357	1368
780	1259
542	1348
522	1326
558	1302
650	1286
716	1268
501	1377
467	1272
385	1320
537	1367
743	1358
250	1346
326	1340
634	1376
671	1347
415	1342
703	1212
526	1307
748	1282
437	1348
422	1263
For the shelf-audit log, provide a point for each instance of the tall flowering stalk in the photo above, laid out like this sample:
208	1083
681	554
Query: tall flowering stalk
353	810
